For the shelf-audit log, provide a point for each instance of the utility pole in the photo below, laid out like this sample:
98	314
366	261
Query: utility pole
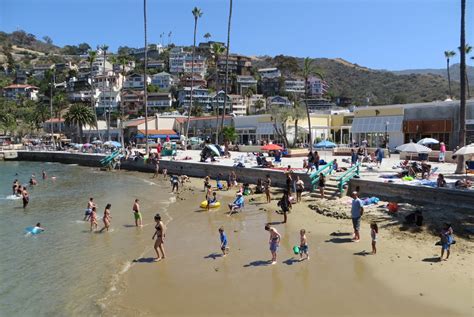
53	80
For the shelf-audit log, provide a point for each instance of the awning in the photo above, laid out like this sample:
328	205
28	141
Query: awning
157	136
380	124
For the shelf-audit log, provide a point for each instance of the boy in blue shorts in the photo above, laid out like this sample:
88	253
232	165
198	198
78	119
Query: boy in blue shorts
303	245
223	238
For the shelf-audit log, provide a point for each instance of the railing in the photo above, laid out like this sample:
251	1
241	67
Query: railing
326	169
347	176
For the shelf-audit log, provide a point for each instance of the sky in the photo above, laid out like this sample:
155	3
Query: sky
380	34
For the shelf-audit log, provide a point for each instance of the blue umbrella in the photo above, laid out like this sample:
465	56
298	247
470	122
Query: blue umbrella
325	144
113	144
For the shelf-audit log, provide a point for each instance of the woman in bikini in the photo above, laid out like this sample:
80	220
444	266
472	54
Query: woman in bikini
160	233
106	218
93	218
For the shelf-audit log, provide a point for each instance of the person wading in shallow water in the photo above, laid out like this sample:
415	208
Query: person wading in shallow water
160	233
275	238
136	213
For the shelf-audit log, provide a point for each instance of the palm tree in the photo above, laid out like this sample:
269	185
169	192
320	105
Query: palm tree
217	50
104	49
227	63
92	56
259	104
467	50
460	168
145	81
80	115
207	36
248	96
448	55
122	60
197	13
308	69
61	103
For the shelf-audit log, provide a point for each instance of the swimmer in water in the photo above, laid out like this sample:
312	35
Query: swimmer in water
33	181
90	205
45	176
15	187
107	217
25	196
137	214
38	227
93	218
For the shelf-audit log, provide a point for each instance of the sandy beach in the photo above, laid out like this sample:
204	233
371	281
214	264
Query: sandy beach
340	279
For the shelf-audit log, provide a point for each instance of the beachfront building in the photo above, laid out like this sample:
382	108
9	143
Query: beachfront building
158	128
158	102
201	97
272	72
135	81
201	127
54	125
19	91
132	101
163	80
316	87
341	125
278	101
245	82
255	128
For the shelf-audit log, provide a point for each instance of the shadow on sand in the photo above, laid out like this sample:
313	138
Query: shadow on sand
130	226
340	234
339	240
290	261
144	260
213	256
362	253
258	263
434	259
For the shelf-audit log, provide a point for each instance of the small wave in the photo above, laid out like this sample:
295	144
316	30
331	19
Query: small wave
13	197
148	182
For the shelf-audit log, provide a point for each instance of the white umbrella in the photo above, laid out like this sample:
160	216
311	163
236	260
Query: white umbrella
466	150
413	148
427	141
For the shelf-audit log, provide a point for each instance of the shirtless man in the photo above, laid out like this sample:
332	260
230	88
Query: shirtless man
137	214
90	205
275	238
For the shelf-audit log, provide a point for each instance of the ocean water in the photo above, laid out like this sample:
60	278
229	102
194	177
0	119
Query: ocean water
68	270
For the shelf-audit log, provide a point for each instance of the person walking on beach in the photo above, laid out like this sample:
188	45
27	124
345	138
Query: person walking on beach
136	213
223	238
25	196
379	157
157	168
446	240
442	152
321	184
303	245
285	205
174	183
90	205
267	184
106	219
93	218
299	188
357	210
160	233
374	232
274	242
165	173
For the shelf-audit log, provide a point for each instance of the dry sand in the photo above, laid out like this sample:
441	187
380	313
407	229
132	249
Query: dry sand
339	280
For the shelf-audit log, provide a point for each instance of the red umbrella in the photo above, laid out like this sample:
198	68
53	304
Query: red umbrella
271	147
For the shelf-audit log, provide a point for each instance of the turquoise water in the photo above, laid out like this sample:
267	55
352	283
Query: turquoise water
67	270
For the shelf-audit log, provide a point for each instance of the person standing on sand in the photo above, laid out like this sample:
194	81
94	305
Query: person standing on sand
321	184
160	233
274	242
285	205
174	183
303	245
374	232
299	188
446	240
223	238
267	184
357	210
442	152
136	213
107	217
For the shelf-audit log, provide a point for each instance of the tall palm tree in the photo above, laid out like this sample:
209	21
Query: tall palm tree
207	36
197	13
145	82
248	96
467	50
460	168
91	58
448	55
122	60
307	71
227	63
61	103
217	50
80	115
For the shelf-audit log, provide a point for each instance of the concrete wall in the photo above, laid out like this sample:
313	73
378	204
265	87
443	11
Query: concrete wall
414	194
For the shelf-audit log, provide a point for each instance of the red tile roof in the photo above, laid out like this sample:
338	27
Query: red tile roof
163	131
182	120
19	86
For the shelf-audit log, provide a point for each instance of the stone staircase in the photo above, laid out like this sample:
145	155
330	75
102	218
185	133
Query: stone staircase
331	191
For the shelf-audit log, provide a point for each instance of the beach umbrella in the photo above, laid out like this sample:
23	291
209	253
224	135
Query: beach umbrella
113	144
87	145
77	145
97	142
271	147
325	144
214	149
466	150
427	141
413	148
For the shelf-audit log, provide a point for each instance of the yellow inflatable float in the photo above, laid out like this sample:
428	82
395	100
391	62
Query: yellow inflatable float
213	205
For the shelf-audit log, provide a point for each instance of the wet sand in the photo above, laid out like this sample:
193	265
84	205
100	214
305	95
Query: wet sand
339	280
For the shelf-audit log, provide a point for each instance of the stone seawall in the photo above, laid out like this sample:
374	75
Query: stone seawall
414	194
193	169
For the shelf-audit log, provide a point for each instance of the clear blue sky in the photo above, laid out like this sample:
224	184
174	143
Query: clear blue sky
383	34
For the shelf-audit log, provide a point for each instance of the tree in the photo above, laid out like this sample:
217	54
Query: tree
308	69
280	116
448	55
248	96
207	36
83	48
227	63
259	104
467	50
48	40
216	50
60	104
460	168
229	134
104	49
297	114
80	115
197	13
92	56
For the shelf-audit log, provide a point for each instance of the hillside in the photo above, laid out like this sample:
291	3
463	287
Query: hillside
359	83
454	70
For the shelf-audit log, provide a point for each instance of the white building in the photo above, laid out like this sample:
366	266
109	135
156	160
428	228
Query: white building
294	86
110	81
279	101
257	104
108	100
180	62
200	97
269	72
15	91
100	66
316	87
162	80
246	82
239	105
135	81
159	101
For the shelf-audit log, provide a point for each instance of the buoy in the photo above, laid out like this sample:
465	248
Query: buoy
213	205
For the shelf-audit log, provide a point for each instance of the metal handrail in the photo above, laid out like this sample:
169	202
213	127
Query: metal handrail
315	175
347	176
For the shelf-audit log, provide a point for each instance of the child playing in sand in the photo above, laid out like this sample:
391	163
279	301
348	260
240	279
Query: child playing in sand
223	238
303	245
446	240
165	173
374	231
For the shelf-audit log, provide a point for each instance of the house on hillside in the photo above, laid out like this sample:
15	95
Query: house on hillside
163	80
17	91
159	101
244	82
278	101
135	81
156	64
201	97
294	86
132	101
195	80
272	72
